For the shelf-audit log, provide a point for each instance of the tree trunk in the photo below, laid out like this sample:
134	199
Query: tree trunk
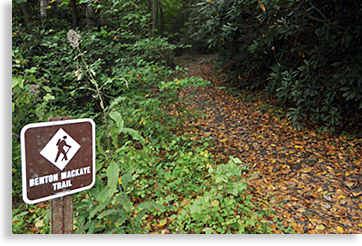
43	8
89	11
162	21
154	17
73	4
27	16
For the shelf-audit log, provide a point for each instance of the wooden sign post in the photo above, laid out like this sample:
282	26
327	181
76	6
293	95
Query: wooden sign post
58	159
61	209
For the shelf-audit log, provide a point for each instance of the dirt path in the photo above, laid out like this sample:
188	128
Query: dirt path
312	181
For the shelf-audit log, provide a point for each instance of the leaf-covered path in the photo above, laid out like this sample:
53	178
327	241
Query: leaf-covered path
312	181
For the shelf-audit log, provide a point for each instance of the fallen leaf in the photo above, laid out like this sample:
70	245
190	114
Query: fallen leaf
39	223
340	229
262	6
301	210
320	227
356	193
306	170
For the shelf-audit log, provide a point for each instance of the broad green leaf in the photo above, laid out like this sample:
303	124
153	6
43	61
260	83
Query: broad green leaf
112	175
126	178
127	204
114	136
117	117
135	135
99	146
48	97
116	101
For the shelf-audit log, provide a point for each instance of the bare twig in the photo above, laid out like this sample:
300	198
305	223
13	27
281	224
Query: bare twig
318	11
316	19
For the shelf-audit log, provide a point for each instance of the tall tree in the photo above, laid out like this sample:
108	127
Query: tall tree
74	6
27	15
90	16
43	8
154	17
162	20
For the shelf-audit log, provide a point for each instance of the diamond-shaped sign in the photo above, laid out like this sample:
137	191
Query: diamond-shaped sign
60	149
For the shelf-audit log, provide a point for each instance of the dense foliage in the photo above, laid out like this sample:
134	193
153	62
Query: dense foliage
115	70
305	53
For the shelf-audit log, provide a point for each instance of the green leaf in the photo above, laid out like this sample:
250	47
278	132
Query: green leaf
116	101
117	117
112	175
48	97
47	89
126	178
17	81
127	204
207	230
114	135
99	146
148	205
135	135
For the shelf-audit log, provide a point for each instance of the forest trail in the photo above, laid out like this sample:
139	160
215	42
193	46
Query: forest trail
312	181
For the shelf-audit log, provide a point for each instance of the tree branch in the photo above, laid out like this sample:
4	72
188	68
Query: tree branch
316	19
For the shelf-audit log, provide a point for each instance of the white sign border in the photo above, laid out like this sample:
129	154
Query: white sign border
23	159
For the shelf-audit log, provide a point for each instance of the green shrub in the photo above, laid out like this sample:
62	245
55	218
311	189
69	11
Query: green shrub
224	207
307	54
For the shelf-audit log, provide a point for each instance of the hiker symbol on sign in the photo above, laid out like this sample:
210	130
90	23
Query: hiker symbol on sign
60	149
61	143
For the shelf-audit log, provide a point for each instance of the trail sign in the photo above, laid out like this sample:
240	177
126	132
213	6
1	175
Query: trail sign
57	158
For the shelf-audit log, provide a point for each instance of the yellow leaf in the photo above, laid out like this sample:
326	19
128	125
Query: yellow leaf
215	203
360	225
307	170
119	180
360	205
224	140
301	210
320	227
298	147
260	136
356	193
340	229
210	1
320	190
312	220
340	197
39	223
162	223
